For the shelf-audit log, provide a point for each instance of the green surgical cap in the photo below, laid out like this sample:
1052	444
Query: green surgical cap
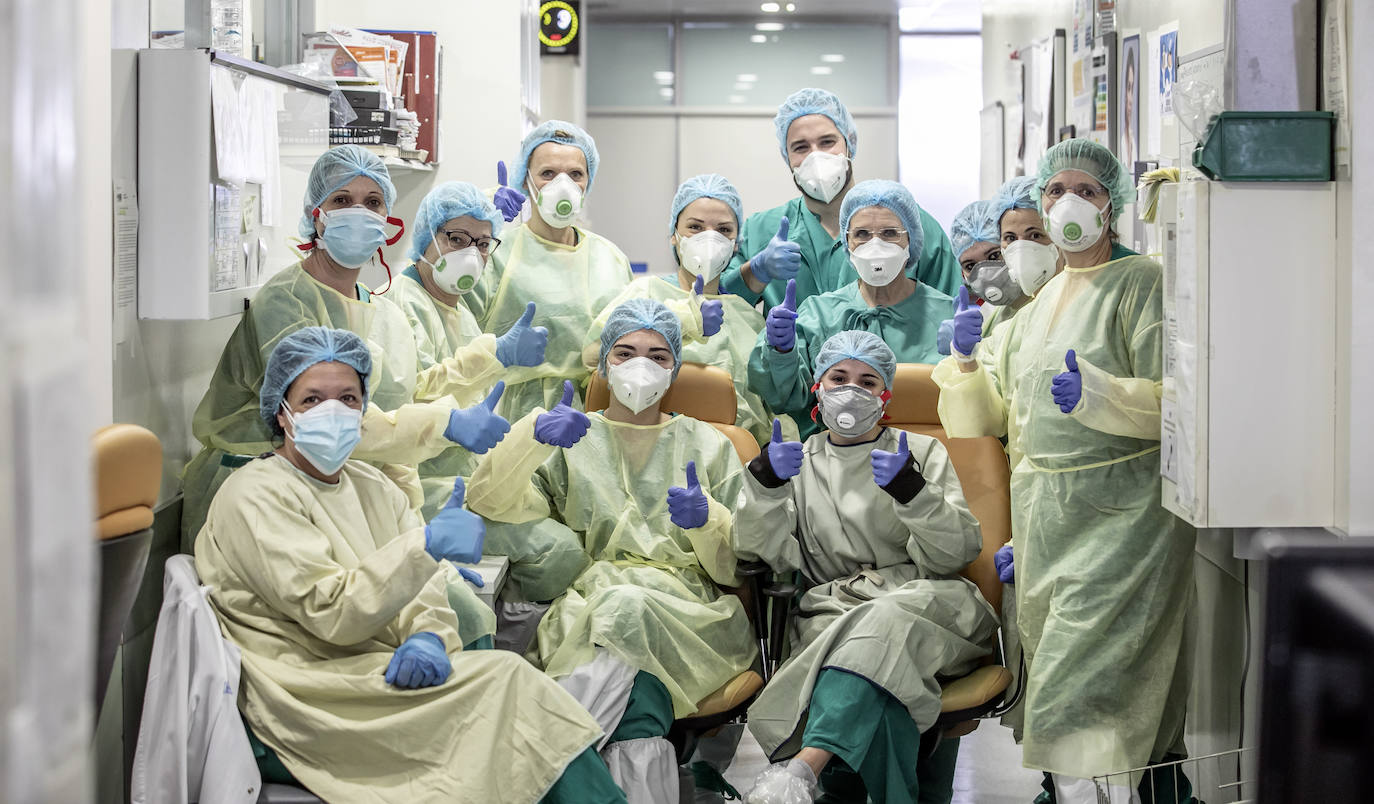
637	314
707	185
549	132
335	168
1093	159
299	351
893	196
452	199
857	345
976	223
815	101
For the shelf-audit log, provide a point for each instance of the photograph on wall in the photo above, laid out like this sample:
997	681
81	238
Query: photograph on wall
1168	70
1129	101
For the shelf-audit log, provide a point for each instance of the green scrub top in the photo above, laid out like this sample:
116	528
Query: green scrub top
825	264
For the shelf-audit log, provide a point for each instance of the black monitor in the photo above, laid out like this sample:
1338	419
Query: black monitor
1317	688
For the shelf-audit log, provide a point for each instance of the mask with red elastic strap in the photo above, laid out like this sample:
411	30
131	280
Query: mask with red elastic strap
849	410
352	235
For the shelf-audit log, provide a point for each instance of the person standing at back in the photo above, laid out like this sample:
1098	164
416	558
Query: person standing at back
801	239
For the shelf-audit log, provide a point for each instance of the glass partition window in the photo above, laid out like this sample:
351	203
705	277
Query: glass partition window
759	64
630	65
937	121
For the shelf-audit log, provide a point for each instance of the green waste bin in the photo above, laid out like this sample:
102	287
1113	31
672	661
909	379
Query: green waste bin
1267	146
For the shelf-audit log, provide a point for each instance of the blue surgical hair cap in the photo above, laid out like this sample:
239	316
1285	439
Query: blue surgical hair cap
299	351
554	131
1093	159
452	199
976	223
1017	193
707	185
893	196
815	101
634	315
335	168
855	344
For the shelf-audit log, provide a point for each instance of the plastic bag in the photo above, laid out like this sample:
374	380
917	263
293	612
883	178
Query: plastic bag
317	70
1196	103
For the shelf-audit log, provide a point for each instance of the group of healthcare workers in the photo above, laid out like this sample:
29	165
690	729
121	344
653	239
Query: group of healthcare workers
361	448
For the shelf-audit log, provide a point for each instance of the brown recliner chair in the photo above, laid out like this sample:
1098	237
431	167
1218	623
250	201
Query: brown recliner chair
981	464
128	472
706	393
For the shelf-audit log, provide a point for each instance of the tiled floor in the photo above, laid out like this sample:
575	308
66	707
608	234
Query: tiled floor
989	770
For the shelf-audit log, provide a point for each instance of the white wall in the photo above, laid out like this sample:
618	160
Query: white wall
645	156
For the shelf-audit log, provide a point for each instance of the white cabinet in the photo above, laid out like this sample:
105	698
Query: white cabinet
225	147
1250	374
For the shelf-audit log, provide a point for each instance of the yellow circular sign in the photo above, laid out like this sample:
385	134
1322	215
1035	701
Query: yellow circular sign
557	24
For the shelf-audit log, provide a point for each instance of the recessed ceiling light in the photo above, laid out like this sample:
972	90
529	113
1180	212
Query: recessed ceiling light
832	58
664	76
768	26
666	92
770	8
748	78
821	69
758	39
791	7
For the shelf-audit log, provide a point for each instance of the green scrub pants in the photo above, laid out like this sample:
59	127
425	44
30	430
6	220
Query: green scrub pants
876	746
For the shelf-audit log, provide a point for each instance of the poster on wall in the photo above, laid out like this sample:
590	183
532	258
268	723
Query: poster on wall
1102	77
1168	68
1129	102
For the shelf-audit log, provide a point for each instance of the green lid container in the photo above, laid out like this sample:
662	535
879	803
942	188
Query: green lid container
1267	146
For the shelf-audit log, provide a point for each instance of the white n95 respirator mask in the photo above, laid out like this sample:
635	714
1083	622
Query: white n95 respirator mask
878	261
638	382
1075	224
559	201
457	272
822	175
705	253
1031	264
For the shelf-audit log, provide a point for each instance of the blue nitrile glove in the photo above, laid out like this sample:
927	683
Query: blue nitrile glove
944	336
478	428
968	324
688	508
1002	559
454	533
564	425
784	457
1067	387
507	199
420	662
523	345
712	310
472	577
886	464
780	259
781	323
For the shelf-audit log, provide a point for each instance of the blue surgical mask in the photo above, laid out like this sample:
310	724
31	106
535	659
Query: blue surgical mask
326	434
352	235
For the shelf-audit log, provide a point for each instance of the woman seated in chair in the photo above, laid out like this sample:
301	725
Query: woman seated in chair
354	671
644	634
876	521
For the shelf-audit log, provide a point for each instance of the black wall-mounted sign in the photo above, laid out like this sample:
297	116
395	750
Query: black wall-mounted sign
560	28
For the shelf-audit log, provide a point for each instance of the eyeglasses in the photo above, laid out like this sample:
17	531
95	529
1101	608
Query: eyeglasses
459	239
889	234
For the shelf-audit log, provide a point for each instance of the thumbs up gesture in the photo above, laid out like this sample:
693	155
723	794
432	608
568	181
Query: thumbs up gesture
781	323
968	324
507	199
780	259
478	428
887	465
454	533
1067	387
712	311
784	457
564	425
522	344
688	507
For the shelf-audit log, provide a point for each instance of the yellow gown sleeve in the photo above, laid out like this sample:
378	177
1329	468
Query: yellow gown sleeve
712	545
970	405
410	434
503	487
1118	406
467	375
288	562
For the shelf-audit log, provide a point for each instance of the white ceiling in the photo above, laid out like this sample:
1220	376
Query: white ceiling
914	14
